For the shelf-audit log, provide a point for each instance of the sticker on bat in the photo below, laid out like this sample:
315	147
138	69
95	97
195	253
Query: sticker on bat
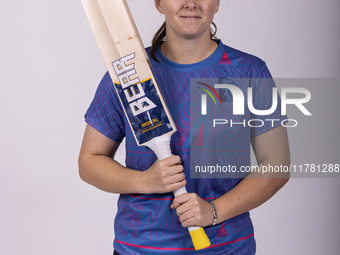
141	101
132	88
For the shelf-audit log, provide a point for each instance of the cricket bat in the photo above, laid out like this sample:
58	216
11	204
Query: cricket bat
128	65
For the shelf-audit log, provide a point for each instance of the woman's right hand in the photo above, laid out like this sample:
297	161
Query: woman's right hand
164	176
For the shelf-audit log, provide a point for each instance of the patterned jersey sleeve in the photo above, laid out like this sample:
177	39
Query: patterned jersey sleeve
105	113
262	97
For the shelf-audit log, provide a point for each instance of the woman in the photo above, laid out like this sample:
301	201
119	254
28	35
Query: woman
149	220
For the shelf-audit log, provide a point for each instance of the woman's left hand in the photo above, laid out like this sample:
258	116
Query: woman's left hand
193	210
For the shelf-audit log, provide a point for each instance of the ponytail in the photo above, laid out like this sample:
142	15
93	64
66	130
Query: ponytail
213	31
157	39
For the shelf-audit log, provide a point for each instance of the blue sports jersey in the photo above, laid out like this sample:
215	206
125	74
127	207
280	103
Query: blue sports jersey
145	224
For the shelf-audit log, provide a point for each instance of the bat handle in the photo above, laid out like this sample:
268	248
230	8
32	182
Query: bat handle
199	238
161	147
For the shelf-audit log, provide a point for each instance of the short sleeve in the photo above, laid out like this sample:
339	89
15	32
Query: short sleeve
262	97
105	113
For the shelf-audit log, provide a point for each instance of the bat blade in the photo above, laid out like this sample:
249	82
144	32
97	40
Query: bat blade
128	65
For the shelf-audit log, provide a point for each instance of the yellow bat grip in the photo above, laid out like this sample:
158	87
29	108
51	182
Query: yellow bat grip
199	239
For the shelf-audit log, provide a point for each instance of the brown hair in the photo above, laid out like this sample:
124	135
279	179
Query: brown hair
161	34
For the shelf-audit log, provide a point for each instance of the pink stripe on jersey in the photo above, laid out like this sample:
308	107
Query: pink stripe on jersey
182	249
150	198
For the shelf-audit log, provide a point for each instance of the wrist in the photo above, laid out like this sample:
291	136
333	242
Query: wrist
143	183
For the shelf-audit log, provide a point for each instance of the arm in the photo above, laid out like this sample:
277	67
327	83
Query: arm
98	168
270	148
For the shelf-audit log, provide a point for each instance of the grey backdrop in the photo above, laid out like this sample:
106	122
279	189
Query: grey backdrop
50	67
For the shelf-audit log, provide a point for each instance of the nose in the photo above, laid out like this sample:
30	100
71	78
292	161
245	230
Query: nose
191	4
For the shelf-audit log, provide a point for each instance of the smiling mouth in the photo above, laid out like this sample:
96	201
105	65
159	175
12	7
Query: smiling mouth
190	17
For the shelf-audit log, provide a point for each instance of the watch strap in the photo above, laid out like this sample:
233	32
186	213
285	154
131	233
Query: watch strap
214	214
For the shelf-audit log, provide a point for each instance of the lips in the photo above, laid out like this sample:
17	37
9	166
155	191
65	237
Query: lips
190	17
